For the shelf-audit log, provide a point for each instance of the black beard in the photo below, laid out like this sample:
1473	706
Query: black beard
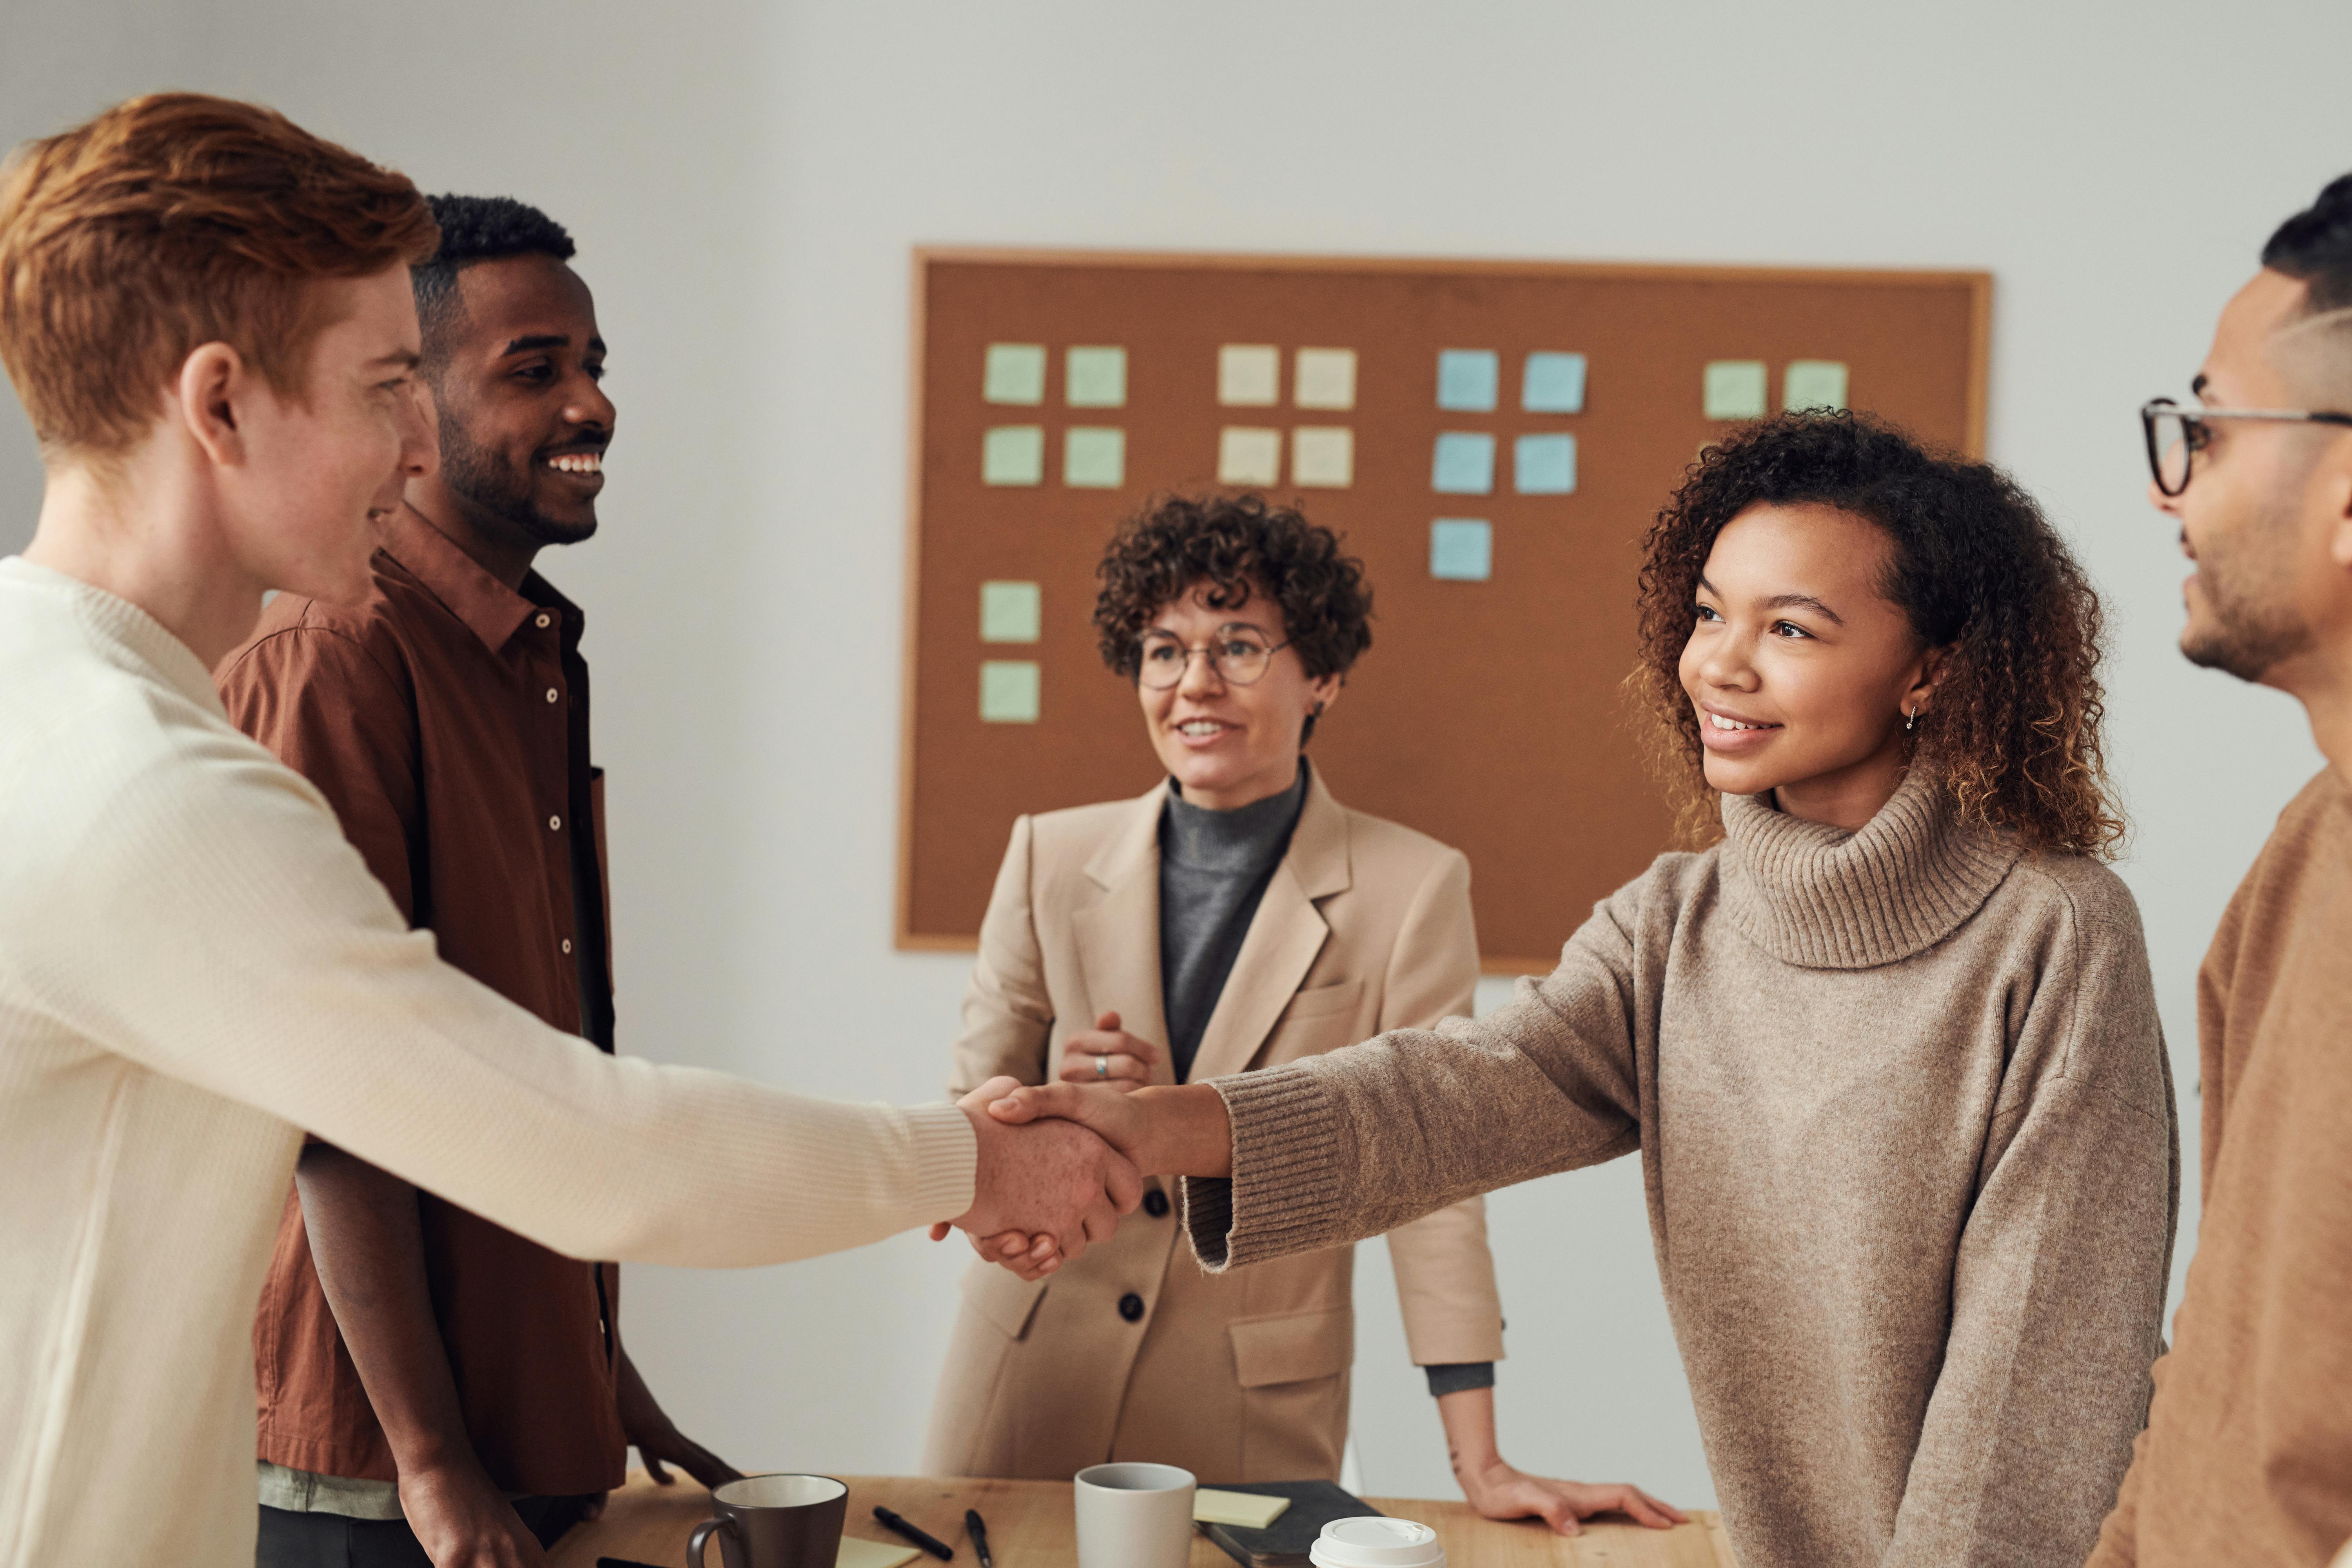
2245	642
489	480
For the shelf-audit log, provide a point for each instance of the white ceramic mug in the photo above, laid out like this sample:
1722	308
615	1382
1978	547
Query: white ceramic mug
1134	1516
1373	1542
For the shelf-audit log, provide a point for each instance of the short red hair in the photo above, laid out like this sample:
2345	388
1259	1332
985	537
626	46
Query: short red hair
173	221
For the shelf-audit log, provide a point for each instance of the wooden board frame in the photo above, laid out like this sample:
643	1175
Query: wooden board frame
1977	285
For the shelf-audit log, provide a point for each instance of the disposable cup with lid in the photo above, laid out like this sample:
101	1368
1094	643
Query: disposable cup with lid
1374	1542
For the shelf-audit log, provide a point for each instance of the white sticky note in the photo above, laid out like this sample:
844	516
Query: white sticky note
1010	612
1008	692
1013	455
1251	1510
1813	383
1093	457
1323	457
1095	377
1734	389
1249	375
858	1552
1248	455
1017	373
1324	378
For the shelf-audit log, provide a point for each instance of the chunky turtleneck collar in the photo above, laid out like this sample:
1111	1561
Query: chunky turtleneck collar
1826	899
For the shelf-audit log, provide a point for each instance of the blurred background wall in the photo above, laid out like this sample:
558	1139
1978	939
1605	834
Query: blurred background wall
745	181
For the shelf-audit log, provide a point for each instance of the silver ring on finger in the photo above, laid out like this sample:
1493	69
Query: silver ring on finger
1102	1065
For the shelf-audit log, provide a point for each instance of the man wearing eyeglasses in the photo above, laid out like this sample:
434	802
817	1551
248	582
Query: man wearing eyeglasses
2248	1453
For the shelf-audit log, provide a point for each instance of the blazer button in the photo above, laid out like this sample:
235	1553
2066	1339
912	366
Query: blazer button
1155	1204
1130	1307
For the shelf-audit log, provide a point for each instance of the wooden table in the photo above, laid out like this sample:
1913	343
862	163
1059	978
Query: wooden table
1030	1525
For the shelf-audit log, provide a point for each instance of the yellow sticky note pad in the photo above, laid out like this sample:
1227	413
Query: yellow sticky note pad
856	1553
1249	375
1323	456
1326	378
1248	457
1247	1509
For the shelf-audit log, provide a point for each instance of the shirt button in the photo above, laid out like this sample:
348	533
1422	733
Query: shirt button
1130	1307
545	620
1155	1204
551	694
556	825
567	944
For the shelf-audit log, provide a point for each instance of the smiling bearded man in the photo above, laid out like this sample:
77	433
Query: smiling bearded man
484	1398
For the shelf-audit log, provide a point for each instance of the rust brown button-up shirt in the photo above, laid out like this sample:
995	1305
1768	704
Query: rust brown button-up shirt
446	721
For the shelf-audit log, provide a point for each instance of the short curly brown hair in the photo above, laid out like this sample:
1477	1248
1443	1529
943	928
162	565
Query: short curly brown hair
2014	729
1233	542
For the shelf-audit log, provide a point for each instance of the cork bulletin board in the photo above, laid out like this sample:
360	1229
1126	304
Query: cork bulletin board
1492	439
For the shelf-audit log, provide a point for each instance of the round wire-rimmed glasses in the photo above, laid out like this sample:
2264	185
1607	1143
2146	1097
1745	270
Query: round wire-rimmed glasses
2176	434
1239	654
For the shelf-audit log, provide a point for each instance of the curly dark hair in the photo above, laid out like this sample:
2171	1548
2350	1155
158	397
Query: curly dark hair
1976	568
1233	543
476	229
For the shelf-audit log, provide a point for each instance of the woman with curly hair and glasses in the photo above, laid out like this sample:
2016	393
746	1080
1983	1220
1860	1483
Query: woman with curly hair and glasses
1887	1046
1235	916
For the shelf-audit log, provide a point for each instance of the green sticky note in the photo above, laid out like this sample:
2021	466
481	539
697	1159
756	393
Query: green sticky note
1017	373
1093	457
1013	455
1010	612
1008	692
1094	378
1813	383
1735	389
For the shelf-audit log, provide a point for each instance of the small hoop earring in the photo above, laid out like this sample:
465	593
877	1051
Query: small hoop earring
1910	720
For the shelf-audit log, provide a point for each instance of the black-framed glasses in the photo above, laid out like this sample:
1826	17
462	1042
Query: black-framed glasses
1239	654
2176	434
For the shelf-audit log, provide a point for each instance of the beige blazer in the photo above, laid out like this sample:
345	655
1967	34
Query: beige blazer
1131	1352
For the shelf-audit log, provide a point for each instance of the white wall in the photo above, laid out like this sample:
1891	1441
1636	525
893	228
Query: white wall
745	181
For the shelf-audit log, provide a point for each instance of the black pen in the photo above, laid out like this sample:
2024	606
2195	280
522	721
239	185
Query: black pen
977	1528
937	1548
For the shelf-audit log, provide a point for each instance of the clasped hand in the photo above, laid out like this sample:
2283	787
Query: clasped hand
1044	1189
1107	1118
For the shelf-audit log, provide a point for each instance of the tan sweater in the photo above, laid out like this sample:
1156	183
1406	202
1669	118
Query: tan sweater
1907	1135
2248	1453
195	966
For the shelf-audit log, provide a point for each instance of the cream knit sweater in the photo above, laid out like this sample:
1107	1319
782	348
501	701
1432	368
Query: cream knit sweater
195	967
1907	1134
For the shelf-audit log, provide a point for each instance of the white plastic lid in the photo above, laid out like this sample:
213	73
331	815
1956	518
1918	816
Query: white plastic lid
1376	1542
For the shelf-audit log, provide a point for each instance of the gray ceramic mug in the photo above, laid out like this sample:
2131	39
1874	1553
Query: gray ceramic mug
774	1521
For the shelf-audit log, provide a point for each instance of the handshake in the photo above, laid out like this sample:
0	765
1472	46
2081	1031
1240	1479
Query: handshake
1059	1163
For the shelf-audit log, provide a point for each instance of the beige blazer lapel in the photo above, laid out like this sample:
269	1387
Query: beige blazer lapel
1285	936
1119	935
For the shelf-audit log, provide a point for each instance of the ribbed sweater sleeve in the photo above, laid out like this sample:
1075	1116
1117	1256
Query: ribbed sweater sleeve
1358	1141
210	922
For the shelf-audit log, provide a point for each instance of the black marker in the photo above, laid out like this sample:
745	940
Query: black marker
977	1528
937	1548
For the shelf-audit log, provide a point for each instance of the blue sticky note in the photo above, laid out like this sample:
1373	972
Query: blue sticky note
1467	379
1461	549
1544	465
1465	465
1554	383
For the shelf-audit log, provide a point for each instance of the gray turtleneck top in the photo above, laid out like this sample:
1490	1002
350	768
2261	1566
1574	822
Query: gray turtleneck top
1214	870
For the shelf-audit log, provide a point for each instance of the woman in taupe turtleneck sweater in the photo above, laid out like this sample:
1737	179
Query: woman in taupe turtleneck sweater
1888	1050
